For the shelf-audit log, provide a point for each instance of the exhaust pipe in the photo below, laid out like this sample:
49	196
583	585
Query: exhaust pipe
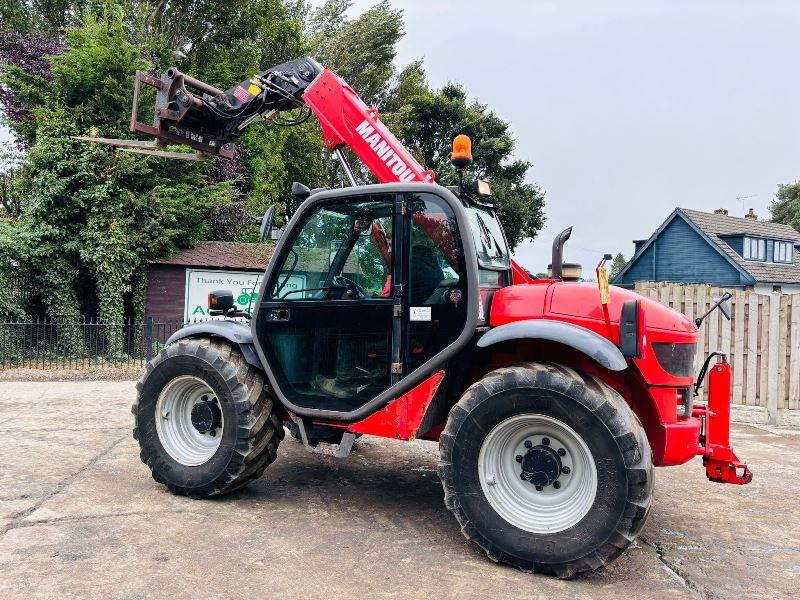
557	260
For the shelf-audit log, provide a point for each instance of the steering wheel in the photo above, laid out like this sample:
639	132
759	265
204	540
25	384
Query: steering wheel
341	281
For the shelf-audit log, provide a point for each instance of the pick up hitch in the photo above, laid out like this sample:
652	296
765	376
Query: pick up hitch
721	463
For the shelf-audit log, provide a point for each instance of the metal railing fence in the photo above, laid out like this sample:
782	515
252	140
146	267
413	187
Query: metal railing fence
39	344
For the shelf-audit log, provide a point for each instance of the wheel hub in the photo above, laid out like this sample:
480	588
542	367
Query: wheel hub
537	473
189	420
541	466
206	416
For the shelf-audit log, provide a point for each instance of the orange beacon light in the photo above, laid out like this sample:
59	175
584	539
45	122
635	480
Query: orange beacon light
462	151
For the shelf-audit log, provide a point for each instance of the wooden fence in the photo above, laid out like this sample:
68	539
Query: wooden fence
762	341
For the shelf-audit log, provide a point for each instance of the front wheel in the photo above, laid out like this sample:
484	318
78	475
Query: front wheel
205	422
546	469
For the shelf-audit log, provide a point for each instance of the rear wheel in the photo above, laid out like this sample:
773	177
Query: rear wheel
205	422
546	469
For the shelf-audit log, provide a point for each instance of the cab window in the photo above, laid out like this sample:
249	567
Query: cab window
436	257
489	240
339	245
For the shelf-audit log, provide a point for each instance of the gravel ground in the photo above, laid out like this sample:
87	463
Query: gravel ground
80	517
104	373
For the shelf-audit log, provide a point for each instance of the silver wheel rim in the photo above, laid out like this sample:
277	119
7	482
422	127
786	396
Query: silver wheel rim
558	506
178	436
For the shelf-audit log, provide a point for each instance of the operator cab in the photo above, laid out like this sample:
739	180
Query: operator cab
369	288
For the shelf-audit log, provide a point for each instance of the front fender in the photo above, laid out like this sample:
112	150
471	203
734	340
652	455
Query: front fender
584	340
233	331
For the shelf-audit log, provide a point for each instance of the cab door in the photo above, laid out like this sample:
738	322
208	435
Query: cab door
326	321
436	279
367	296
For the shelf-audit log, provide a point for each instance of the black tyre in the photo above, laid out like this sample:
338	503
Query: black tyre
546	469
205	422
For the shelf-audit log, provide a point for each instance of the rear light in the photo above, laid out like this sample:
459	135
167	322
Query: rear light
677	359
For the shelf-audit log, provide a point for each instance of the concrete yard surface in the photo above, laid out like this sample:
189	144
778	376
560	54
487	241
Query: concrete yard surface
80	517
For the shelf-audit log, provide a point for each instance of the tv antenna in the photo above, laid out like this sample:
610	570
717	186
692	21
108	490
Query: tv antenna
741	199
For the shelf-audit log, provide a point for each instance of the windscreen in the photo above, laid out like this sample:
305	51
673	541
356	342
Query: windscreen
489	240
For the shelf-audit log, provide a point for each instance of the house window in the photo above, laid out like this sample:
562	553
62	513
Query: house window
755	249
783	252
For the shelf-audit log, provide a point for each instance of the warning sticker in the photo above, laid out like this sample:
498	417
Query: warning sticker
241	94
419	313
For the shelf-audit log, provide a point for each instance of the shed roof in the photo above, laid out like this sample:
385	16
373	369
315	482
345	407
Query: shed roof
240	256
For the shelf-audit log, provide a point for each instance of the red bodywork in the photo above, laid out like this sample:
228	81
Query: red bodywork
654	394
401	419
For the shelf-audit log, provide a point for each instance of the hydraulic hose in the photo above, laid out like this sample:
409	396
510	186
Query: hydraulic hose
703	371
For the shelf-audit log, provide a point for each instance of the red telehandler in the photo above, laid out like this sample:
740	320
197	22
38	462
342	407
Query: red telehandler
395	310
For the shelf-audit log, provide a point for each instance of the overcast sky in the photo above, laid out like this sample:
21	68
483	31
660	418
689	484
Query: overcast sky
626	108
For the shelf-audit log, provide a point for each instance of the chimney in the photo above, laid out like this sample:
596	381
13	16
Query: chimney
751	215
721	211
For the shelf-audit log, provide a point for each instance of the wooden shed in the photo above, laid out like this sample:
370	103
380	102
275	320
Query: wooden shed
174	284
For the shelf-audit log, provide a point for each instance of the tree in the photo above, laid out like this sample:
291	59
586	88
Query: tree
10	307
10	194
91	216
617	265
43	15
25	77
360	50
786	206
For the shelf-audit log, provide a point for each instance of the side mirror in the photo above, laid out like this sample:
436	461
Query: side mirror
266	223
725	306
722	304
300	191
630	343
220	302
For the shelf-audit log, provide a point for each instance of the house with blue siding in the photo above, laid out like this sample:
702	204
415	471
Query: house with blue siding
717	249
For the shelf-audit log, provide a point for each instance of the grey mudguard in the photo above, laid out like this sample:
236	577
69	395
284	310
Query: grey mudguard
590	343
233	331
